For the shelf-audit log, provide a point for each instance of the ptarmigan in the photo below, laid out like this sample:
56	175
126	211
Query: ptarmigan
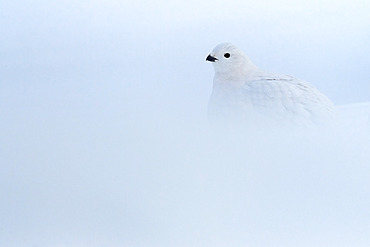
243	92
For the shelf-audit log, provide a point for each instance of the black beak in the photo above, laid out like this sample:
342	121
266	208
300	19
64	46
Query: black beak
211	59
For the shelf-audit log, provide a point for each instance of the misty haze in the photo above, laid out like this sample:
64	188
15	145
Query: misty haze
105	139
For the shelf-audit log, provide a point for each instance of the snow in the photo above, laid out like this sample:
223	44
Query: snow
104	138
355	118
82	182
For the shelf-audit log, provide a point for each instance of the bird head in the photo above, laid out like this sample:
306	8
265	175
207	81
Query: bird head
228	59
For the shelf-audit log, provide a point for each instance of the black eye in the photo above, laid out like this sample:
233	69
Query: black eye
227	55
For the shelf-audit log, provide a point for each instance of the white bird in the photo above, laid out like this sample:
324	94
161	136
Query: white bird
241	91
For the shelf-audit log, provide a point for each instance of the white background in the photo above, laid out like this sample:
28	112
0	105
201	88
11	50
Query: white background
104	139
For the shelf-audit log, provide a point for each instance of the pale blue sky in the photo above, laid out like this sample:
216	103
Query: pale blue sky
323	42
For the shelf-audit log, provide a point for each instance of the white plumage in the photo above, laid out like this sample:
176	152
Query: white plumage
241	91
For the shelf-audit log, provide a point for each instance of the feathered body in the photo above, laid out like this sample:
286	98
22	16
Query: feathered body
241	91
